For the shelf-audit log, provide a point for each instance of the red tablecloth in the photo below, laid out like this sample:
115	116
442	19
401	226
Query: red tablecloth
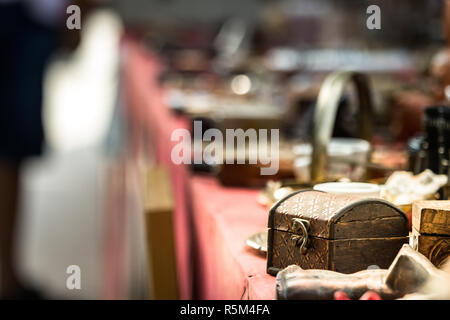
212	259
224	218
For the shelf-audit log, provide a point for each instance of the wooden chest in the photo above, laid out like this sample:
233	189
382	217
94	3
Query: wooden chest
431	230
318	230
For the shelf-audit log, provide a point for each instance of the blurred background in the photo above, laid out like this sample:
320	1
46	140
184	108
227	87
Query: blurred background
80	130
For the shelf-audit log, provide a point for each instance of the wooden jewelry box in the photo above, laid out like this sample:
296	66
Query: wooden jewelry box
318	230
431	230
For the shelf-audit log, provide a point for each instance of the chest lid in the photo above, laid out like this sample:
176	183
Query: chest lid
431	217
333	216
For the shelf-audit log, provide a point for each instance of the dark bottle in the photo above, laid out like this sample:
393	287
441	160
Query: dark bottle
437	138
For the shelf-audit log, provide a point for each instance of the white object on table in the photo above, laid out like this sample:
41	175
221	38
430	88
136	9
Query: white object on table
367	190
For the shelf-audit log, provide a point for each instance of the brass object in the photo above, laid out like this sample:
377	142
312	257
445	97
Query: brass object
325	116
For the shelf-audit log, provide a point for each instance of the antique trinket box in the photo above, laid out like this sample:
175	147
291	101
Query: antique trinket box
318	230
431	229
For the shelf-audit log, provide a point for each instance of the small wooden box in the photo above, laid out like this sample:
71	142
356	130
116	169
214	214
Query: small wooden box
159	207
318	230
431	229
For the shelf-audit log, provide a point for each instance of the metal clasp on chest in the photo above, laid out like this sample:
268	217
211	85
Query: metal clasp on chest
300	227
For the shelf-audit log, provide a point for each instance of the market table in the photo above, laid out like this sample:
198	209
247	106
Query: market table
211	222
224	218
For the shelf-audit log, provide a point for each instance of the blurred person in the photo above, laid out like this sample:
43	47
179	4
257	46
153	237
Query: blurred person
30	32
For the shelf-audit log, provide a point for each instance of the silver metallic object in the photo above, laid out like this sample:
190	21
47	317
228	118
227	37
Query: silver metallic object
325	116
